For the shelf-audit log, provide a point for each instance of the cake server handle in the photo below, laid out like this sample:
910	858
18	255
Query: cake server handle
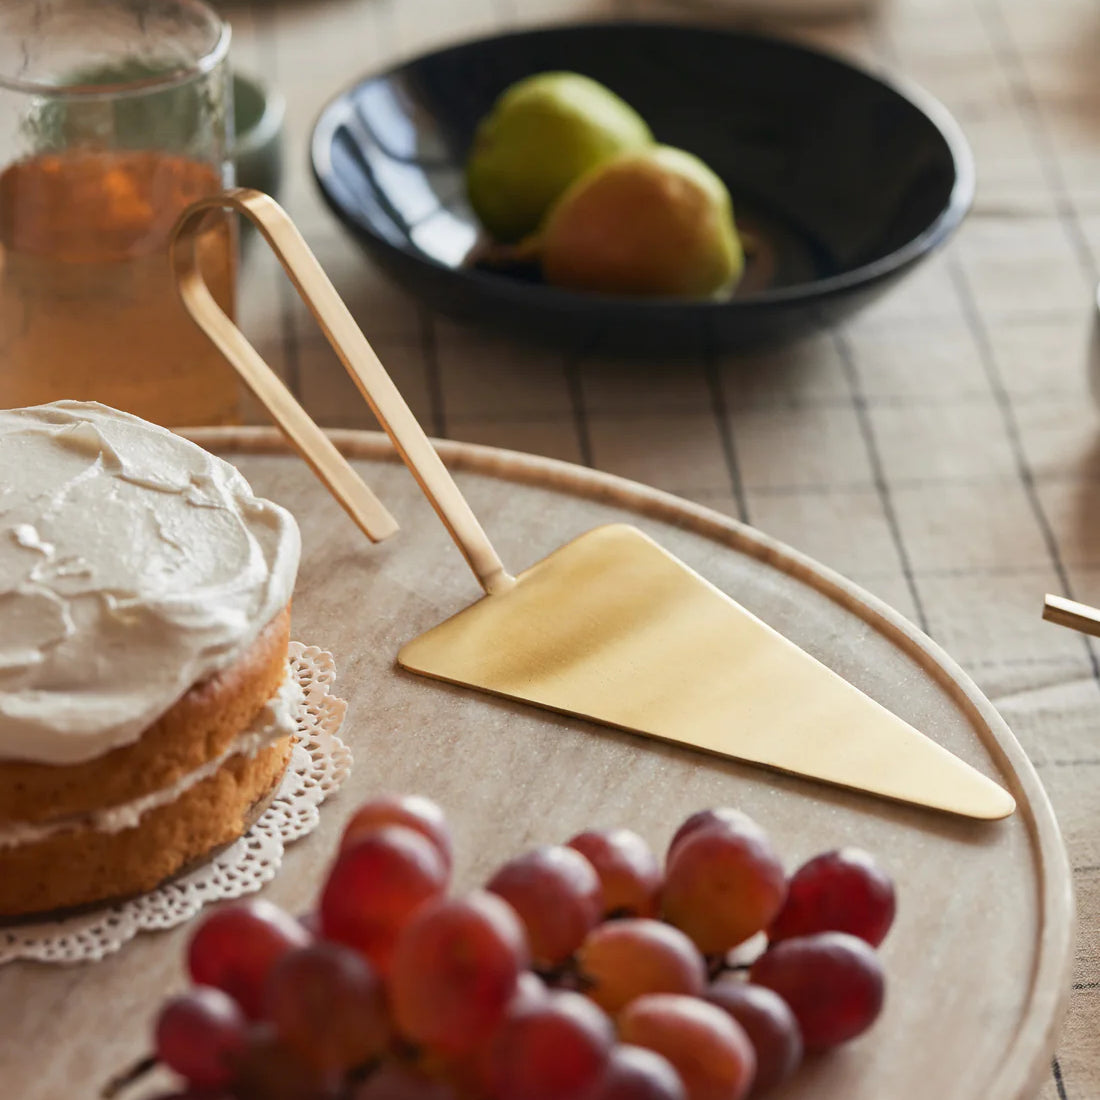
353	350
357	499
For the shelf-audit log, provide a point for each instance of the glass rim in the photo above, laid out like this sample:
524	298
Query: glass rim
200	67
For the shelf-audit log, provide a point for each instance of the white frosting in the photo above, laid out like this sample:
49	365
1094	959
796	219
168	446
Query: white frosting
275	720
133	564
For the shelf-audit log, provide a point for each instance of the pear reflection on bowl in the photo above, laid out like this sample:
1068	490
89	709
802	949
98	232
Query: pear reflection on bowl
842	181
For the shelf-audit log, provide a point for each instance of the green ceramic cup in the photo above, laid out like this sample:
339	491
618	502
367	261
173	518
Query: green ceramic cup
259	114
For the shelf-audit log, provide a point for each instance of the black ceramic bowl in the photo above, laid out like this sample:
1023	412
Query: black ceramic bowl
844	180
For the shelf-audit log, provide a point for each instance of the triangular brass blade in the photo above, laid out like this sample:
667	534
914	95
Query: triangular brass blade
613	628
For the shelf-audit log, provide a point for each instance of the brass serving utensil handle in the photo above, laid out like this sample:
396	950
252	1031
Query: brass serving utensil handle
357	499
1077	616
358	358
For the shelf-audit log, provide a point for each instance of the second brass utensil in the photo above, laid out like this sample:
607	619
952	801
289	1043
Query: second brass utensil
1077	616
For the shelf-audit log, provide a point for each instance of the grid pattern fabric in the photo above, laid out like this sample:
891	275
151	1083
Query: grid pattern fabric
942	450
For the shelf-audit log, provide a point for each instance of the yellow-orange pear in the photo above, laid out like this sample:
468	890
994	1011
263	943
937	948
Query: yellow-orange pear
655	222
543	133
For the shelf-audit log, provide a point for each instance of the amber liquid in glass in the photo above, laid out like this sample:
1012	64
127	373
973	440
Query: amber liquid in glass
88	304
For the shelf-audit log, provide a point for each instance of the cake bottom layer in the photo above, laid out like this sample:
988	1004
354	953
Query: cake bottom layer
199	727
83	866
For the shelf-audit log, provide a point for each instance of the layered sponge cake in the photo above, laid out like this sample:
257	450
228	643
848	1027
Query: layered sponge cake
146	701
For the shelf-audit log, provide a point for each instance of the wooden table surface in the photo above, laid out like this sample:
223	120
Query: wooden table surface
943	449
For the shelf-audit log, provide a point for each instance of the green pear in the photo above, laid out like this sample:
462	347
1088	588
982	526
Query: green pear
657	222
543	133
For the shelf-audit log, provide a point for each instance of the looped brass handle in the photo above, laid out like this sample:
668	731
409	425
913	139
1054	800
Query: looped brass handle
357	499
361	363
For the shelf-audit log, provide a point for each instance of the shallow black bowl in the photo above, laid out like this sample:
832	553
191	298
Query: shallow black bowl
844	180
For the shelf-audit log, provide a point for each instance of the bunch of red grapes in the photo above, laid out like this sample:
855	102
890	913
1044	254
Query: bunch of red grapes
580	972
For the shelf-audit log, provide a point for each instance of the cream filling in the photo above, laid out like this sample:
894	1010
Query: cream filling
277	719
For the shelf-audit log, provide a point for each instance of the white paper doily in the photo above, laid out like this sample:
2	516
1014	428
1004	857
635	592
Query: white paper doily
319	763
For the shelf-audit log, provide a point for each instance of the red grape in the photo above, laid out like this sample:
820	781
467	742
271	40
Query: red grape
455	971
235	947
394	1082
624	959
841	891
268	1069
710	1052
328	1005
769	1024
411	810
722	886
557	895
529	989
473	1071
199	1033
634	1073
833	983
627	868
192	1094
375	886
724	817
556	1047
